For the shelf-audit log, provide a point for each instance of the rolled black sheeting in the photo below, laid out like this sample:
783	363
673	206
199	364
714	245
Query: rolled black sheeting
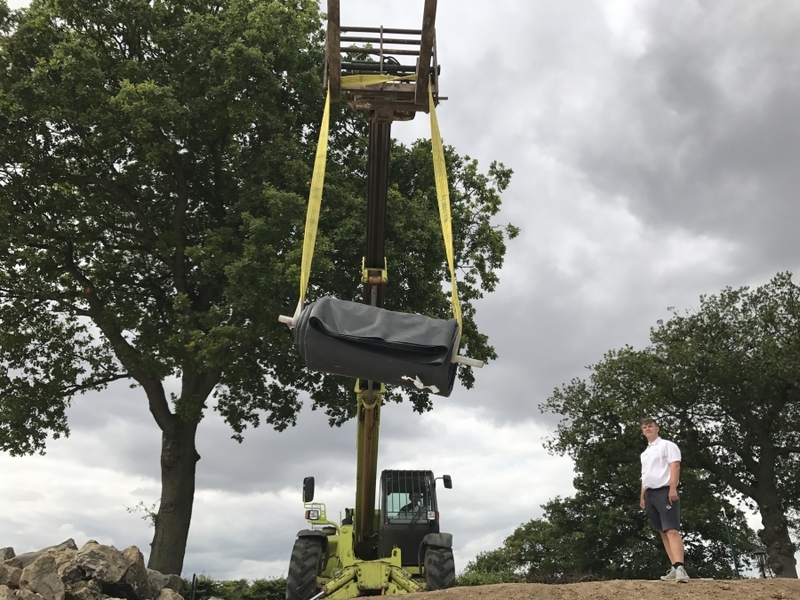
366	342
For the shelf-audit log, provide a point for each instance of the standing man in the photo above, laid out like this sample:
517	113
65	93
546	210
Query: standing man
661	471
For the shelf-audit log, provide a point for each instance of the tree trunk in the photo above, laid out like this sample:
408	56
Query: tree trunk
178	461
775	536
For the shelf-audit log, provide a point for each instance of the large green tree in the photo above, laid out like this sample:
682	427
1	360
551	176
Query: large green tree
724	380
155	160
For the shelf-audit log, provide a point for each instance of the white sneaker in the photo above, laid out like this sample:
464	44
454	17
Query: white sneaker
670	576
680	575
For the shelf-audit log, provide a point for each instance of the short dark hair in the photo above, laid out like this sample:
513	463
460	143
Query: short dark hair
649	421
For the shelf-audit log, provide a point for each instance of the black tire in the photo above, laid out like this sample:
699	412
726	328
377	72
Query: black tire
304	565
440	568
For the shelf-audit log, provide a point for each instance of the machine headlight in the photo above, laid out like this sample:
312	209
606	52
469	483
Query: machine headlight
312	515
431	515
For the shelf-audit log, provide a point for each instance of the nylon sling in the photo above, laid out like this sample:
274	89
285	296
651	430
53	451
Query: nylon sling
367	342
318	178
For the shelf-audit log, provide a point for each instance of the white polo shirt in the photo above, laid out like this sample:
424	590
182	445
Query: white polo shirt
655	462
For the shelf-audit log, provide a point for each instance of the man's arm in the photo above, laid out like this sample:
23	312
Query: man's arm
674	479
641	499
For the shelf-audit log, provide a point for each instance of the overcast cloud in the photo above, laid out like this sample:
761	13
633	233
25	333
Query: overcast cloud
655	146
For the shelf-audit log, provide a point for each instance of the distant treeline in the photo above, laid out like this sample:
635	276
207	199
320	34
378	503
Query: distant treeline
261	589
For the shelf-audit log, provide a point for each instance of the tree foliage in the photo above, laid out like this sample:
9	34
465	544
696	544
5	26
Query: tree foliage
156	158
489	567
724	381
153	170
206	588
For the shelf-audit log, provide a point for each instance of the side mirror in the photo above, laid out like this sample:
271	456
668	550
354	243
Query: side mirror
448	481
308	489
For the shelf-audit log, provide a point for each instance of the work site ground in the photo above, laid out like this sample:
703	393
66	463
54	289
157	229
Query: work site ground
629	589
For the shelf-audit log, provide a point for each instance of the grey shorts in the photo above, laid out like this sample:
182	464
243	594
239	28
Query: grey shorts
663	514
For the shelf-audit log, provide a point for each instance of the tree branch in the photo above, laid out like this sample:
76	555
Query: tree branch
180	188
92	384
706	461
118	191
127	355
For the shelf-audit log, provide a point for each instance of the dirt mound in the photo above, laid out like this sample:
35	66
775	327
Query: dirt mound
743	589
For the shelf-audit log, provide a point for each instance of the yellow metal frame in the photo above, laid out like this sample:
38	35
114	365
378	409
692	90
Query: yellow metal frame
376	575
371	275
346	576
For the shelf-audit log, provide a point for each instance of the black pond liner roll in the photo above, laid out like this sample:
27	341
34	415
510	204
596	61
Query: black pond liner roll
370	343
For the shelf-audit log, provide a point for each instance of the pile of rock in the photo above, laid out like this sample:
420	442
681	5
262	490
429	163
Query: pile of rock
95	572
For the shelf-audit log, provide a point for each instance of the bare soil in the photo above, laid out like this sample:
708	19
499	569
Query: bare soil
697	589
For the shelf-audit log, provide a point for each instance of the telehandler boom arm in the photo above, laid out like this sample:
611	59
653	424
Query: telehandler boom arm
391	74
384	102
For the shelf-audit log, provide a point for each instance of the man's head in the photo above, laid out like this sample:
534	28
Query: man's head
650	428
414	497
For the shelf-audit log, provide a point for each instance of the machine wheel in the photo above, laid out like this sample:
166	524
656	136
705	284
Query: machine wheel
440	568
301	581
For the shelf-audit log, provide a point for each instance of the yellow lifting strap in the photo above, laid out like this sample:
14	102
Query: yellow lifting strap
443	196
357	81
314	203
318	177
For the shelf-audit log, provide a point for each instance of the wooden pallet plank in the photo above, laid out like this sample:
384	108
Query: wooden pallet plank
425	51
332	52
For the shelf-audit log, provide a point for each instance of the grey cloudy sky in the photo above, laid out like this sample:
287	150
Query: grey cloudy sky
655	147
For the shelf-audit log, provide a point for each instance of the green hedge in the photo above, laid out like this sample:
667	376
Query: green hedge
241	589
487	578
